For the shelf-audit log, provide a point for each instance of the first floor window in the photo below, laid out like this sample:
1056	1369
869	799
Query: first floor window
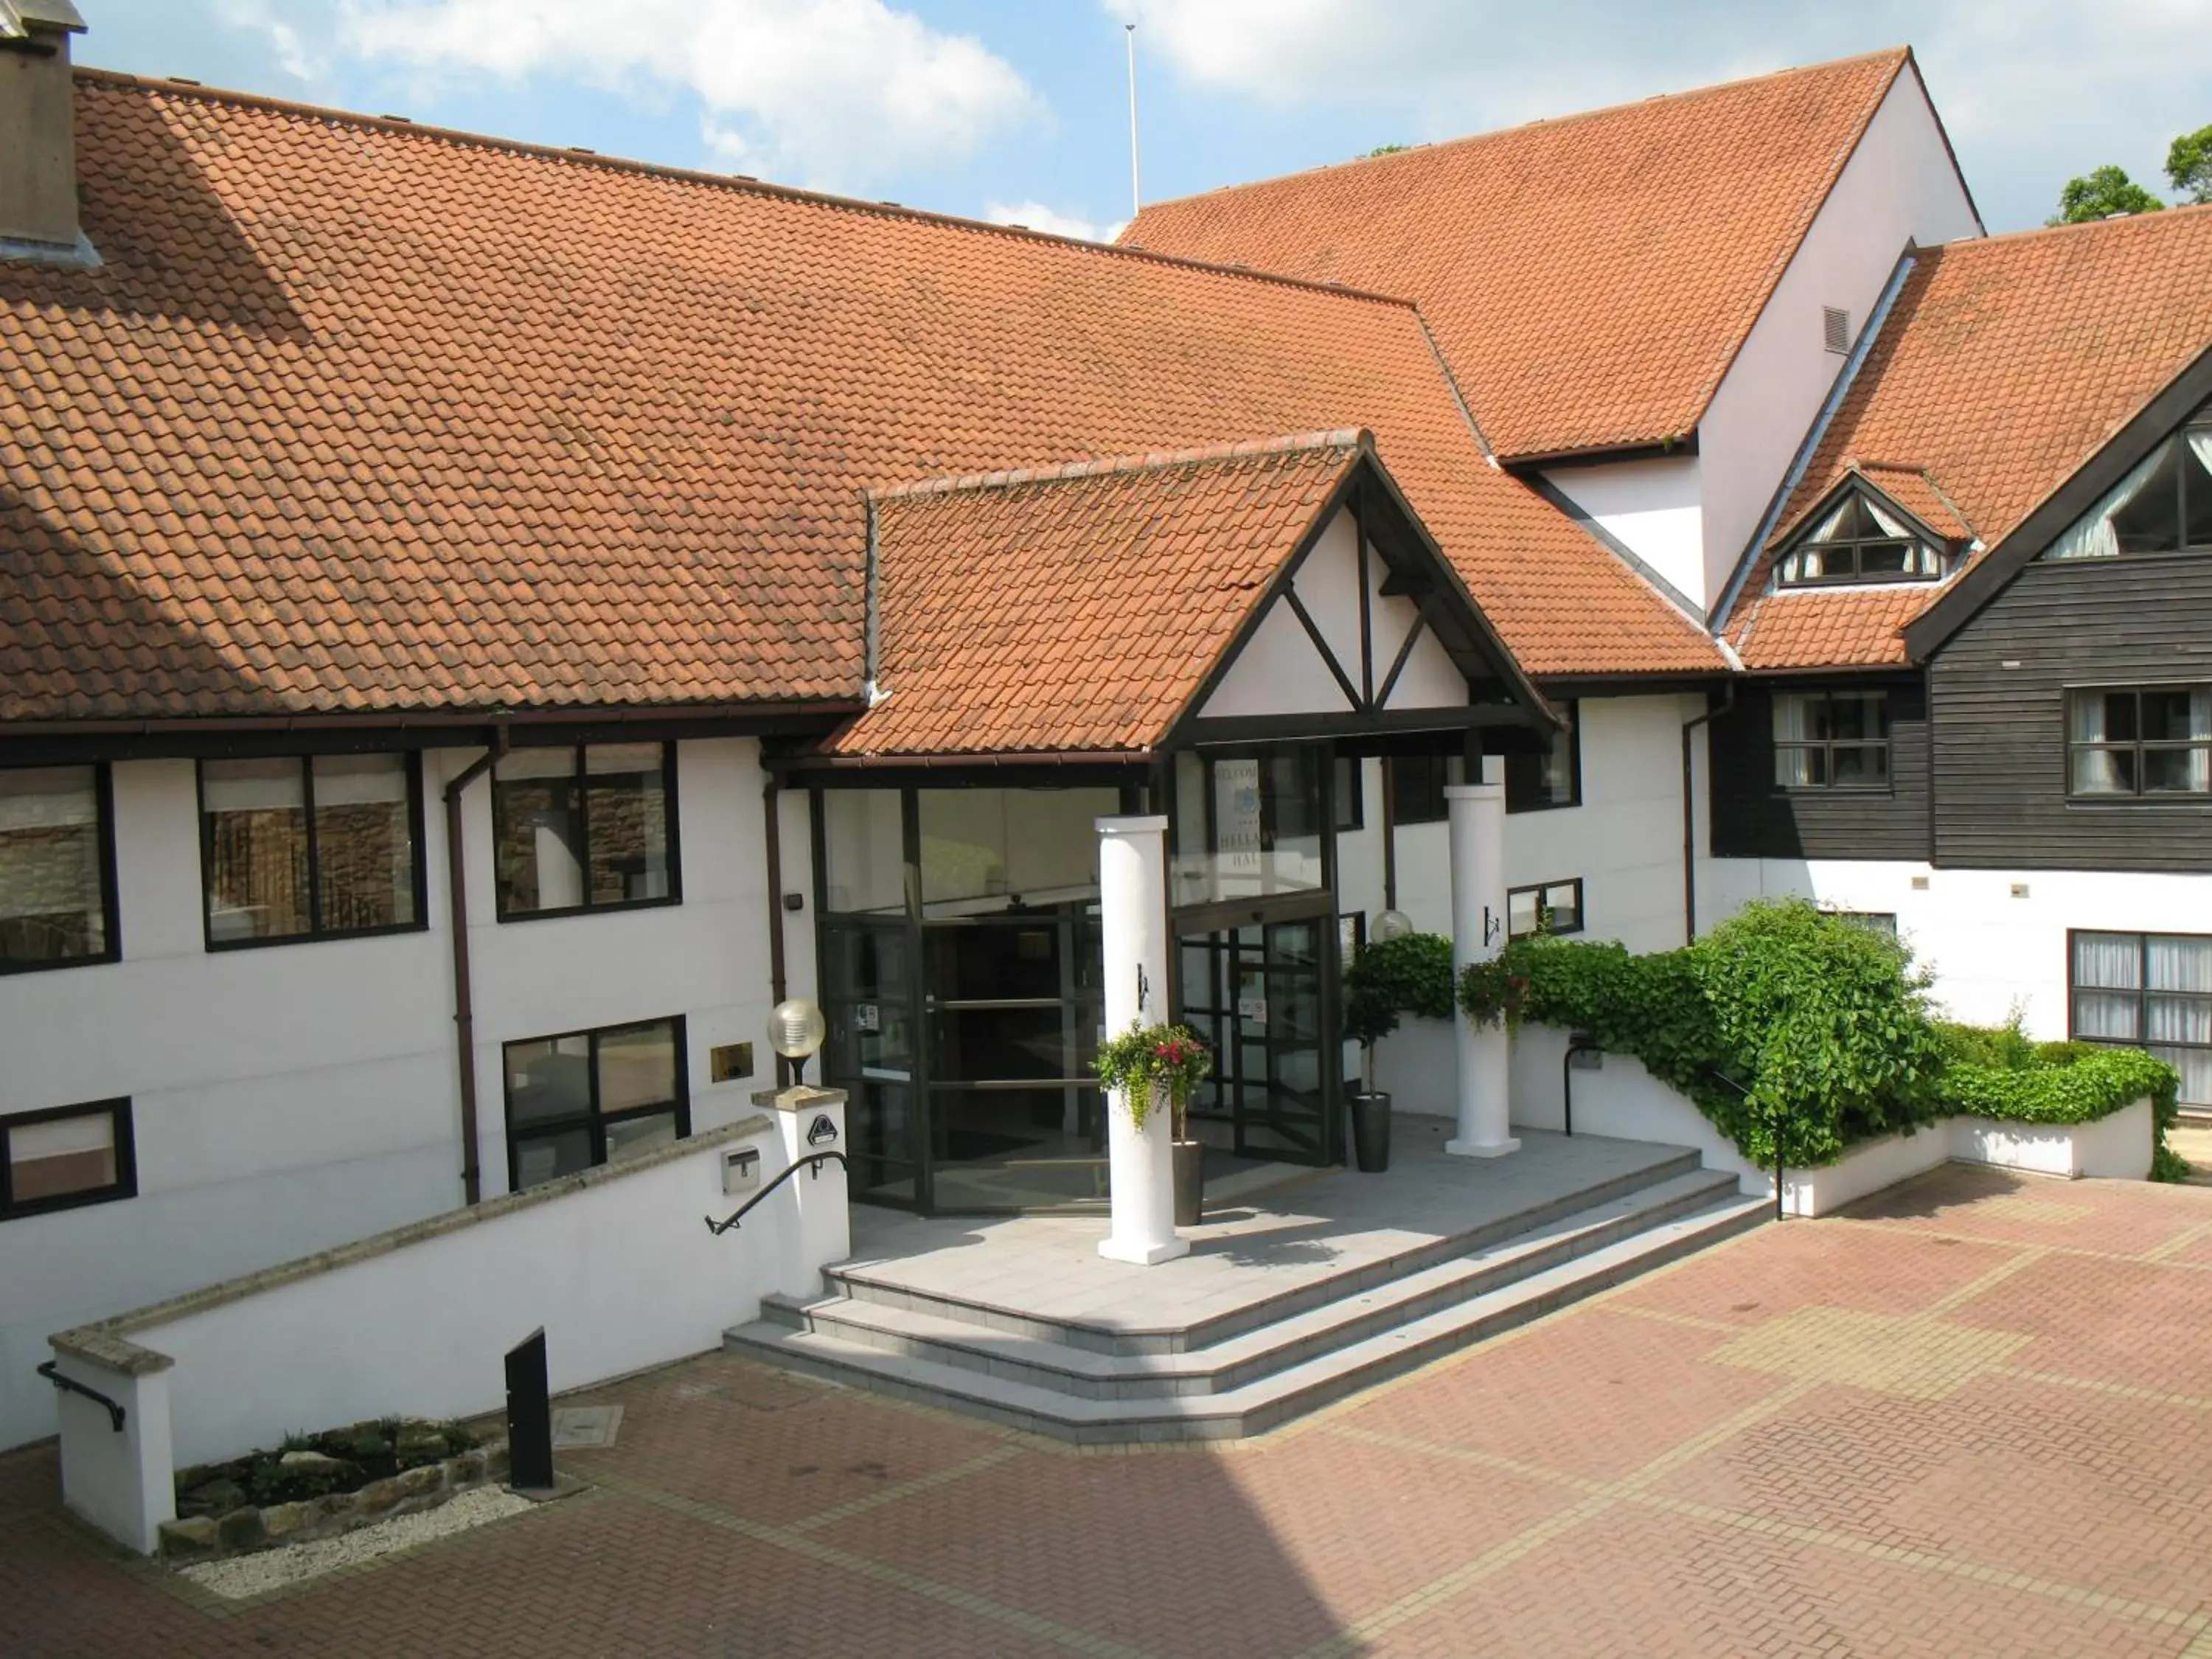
590	1097
587	828
65	1157
1552	777
53	867
1860	541
2149	991
1417	787
1832	740
295	847
1874	921
2140	740
1551	907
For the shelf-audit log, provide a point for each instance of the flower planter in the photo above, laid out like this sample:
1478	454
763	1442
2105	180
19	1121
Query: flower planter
1370	1131
1189	1182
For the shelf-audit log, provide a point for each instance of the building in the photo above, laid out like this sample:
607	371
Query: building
484	623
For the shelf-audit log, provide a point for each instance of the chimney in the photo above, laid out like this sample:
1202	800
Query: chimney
38	129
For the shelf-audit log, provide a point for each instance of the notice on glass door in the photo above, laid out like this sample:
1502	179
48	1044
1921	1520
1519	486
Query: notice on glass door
1236	817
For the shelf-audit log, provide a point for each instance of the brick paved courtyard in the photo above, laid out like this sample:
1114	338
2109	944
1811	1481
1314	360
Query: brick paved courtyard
1974	1419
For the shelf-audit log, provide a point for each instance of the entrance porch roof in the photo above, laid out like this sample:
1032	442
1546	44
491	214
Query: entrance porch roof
1092	608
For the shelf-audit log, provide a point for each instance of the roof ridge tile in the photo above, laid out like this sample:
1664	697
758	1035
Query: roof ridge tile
1151	461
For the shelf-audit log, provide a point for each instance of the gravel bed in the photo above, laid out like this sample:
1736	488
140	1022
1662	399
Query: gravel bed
257	1575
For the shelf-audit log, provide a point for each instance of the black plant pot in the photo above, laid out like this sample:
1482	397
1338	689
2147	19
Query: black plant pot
1370	1132
1190	1181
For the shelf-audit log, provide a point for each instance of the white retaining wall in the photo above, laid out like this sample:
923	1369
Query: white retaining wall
616	1264
1620	1099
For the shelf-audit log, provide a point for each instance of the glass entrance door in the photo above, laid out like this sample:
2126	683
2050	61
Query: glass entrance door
1259	994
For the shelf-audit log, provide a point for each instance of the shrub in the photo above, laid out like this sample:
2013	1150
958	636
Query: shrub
1387	981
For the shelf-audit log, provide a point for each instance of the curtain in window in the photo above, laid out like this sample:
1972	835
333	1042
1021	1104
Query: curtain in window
2107	978
1793	725
2200	441
2095	770
2200	728
2092	536
2179	963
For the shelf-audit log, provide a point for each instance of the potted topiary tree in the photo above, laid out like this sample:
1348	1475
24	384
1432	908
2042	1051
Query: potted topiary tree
1410	974
1146	1063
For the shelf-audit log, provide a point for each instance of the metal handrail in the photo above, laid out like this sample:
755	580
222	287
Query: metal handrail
813	1161
51	1371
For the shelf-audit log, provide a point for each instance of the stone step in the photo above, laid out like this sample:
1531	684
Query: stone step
882	1286
1269	1400
1244	1357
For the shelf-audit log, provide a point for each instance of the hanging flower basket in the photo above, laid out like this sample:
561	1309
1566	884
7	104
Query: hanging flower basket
1146	1061
1489	994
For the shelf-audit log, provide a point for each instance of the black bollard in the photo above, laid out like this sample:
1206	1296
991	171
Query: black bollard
529	1416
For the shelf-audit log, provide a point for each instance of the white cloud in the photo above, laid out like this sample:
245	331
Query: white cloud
1035	216
826	91
2032	91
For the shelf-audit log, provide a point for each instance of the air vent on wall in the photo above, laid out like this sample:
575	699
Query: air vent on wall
1836	329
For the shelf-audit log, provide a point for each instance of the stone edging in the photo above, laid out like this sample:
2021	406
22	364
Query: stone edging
106	1343
246	1528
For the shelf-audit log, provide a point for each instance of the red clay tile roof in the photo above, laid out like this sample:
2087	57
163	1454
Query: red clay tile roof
1590	279
360	415
1809	627
1113	591
2004	365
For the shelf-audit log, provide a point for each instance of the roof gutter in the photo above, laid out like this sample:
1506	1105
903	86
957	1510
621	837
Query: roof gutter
457	903
1749	559
460	722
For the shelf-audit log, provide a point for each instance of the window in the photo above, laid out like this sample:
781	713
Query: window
2140	740
1860	541
1551	907
1836	330
584	829
1874	921
592	1098
1417	787
1832	740
56	883
2164	505
70	1155
2148	990
295	847
1552	778
1351	784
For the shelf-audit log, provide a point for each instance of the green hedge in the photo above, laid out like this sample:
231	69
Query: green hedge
1409	975
2081	1090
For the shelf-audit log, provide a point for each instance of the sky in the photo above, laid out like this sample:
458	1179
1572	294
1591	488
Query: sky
1017	110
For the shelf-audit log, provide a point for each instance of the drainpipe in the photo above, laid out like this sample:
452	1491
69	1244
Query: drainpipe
772	836
1390	834
1690	814
465	1019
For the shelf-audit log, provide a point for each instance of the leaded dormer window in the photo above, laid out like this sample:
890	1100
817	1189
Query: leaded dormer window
2164	505
1860	540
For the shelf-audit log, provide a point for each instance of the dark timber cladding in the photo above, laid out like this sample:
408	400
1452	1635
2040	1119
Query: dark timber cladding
1998	687
1754	817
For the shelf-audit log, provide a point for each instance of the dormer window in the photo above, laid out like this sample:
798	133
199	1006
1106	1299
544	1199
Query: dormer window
1860	540
2163	506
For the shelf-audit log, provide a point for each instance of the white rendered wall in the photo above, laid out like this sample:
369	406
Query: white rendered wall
287	1098
1992	952
1654	506
1899	184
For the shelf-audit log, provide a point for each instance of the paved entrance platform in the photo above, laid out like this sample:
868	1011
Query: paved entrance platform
1296	1297
1714	1459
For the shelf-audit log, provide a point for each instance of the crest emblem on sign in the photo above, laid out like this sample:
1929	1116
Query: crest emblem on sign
822	1131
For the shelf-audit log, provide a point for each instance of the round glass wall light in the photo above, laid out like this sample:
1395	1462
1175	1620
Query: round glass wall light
796	1029
1389	925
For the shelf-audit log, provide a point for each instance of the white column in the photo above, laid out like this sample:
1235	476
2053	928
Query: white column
1132	912
1478	892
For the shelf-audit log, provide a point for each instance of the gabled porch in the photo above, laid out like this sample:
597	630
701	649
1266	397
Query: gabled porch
1305	1292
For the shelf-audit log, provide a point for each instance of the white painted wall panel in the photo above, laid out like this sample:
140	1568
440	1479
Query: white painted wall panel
1899	184
1655	508
295	1096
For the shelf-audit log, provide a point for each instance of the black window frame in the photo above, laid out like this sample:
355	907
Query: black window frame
2184	547
2138	746
672	813
591	1120
411	761
124	1186
1524	772
1431	808
1857	547
1350	803
2142	990
103	788
1540	889
1827	746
